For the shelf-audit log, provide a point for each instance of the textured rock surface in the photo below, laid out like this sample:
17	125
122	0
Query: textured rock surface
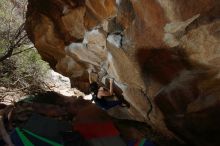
163	54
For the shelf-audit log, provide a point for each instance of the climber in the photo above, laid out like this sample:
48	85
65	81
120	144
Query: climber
104	97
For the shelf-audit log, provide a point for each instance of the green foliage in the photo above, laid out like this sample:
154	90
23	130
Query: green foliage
24	71
12	34
31	61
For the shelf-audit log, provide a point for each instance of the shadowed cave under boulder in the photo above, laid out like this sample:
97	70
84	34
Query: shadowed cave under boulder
162	54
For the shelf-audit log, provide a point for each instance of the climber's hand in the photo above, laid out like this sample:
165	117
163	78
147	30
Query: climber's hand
90	70
111	80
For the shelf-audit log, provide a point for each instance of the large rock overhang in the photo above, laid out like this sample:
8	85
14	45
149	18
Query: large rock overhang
163	54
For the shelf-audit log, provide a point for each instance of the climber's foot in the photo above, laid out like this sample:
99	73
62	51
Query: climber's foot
125	104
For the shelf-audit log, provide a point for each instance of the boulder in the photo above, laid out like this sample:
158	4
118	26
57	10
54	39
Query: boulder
163	54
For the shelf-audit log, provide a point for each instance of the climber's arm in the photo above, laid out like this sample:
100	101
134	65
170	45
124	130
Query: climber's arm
111	87
90	78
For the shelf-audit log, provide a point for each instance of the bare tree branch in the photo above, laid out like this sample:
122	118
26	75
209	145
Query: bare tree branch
19	31
10	20
28	49
7	54
16	42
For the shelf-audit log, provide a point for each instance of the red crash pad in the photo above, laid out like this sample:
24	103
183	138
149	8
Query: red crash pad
96	130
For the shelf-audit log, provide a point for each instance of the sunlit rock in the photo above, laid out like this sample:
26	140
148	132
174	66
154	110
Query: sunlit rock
163	56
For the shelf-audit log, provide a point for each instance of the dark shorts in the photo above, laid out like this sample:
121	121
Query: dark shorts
105	104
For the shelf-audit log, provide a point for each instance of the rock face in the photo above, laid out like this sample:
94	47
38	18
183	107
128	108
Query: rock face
163	54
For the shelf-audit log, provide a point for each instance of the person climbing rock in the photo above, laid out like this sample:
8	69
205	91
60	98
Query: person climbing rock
103	97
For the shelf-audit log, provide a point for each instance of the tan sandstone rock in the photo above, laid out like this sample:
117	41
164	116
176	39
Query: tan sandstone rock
163	55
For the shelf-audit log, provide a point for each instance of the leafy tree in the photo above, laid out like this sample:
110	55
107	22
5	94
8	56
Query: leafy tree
12	33
25	71
21	66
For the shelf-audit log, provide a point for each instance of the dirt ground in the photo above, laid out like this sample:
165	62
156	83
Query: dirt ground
75	109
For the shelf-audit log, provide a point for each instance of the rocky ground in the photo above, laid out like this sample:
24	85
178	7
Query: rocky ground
53	81
73	109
